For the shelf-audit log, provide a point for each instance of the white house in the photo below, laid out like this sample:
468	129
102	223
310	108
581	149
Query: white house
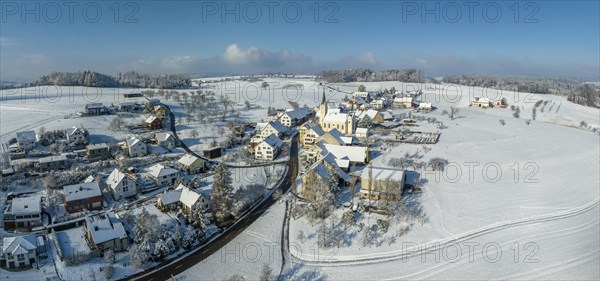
165	139
293	117
23	213
161	175
403	102
26	140
191	164
21	251
362	133
481	102
105	231
378	103
273	128
183	197
121	184
135	147
376	181
268	149
75	135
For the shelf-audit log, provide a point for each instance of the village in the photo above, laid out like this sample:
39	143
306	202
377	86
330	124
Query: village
73	201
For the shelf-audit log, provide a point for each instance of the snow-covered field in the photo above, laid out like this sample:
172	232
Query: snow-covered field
517	183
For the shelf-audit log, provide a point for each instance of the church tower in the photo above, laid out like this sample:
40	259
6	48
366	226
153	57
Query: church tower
322	109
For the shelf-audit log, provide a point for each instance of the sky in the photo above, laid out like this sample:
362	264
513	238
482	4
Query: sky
543	38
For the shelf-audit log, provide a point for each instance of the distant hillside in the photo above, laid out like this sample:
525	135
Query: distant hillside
129	79
576	90
368	75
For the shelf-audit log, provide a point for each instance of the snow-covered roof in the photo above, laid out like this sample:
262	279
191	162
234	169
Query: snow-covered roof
183	194
403	99
94	106
188	197
97	146
133	142
74	130
481	100
115	178
352	153
52	159
336	117
158	170
18	244
298	113
81	191
105	227
370	113
277	126
151	119
164	136
26	136
362	131
273	141
360	94
383	173
26	205
187	159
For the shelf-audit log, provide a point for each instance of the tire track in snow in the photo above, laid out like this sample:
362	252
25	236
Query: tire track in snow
365	259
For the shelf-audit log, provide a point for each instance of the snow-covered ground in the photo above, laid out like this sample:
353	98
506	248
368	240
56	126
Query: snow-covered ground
549	175
245	255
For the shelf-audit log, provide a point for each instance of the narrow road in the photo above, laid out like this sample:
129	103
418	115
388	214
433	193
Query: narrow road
176	267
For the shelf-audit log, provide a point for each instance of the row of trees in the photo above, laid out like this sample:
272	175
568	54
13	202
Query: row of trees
368	75
130	79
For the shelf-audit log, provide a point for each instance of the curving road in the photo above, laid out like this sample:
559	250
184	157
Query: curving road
199	254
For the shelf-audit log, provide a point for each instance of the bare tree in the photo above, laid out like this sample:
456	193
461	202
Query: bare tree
452	113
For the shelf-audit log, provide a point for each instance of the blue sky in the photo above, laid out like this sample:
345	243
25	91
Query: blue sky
546	38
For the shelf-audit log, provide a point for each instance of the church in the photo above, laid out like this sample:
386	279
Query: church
334	118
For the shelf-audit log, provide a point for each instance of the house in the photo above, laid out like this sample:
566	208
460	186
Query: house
425	106
268	149
212	153
121	184
83	196
127	106
309	133
293	117
165	139
403	102
51	163
76	135
320	173
21	251
94	109
336	137
153	123
191	164
272	128
135	147
355	154
481	102
183	198
366	96
26	140
162	176
372	115
378	103
362	133
160	111
380	181
330	119
23	213
106	231
97	151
